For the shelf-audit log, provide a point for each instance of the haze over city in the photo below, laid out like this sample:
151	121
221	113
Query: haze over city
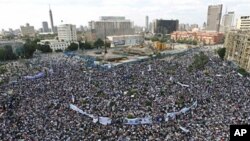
19	12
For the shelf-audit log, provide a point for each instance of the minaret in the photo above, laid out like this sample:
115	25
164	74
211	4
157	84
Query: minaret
51	20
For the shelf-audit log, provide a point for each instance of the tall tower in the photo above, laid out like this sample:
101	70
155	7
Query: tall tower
51	20
146	24
214	17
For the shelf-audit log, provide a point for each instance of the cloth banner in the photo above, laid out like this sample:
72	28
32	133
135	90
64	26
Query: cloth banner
149	68
39	75
172	115
184	129
137	121
105	120
183	85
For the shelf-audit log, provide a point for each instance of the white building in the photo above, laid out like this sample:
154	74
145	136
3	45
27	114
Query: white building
28	30
67	32
126	40
227	21
55	44
244	23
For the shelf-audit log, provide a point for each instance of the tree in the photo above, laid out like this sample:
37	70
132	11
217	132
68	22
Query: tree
99	43
88	45
58	50
2	54
6	53
153	39
9	55
199	61
221	52
44	48
30	48
72	47
243	72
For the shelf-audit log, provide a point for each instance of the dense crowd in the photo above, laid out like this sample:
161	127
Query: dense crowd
39	109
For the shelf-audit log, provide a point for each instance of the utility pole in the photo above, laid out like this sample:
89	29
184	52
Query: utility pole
105	51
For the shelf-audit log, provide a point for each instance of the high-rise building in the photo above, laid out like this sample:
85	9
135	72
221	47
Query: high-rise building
51	20
214	17
146	24
28	30
110	26
45	26
244	23
67	33
227	21
237	45
184	27
165	26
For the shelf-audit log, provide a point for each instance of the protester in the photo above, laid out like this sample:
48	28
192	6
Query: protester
39	109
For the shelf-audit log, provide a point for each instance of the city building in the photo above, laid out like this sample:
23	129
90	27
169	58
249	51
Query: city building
214	17
165	26
28	30
244	23
55	44
146	24
45	26
126	40
192	26
111	26
209	38
227	21
184	27
51	21
67	33
237	45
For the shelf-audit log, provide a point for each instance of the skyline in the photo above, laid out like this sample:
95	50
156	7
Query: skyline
81	12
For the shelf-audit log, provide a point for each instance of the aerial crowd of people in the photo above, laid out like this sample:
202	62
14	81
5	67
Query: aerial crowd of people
39	109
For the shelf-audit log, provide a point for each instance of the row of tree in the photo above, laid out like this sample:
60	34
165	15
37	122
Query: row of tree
189	41
30	46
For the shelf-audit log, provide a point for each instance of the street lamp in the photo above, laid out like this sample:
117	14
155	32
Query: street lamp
105	48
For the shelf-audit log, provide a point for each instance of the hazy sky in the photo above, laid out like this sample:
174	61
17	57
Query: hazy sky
19	12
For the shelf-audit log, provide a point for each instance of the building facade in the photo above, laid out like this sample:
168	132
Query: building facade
237	45
67	33
209	38
126	40
227	21
55	44
28	30
214	17
244	23
45	27
165	26
111	26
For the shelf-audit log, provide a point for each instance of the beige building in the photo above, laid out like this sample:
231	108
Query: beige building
111	26
227	21
67	33
244	23
238	48
28	30
214	17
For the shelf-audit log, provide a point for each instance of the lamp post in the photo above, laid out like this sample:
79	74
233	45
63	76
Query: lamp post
105	48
